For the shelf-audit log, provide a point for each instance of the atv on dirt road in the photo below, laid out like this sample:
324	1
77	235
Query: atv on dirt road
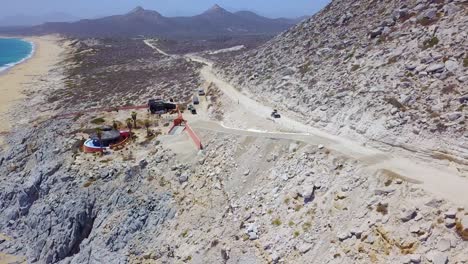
275	114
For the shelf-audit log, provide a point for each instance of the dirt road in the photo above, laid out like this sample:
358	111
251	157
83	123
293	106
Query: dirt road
443	181
155	48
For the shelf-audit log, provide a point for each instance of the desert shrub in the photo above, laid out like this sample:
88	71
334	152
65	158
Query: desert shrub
89	182
392	60
382	208
426	21
429	43
449	89
98	121
298	207
355	67
276	222
305	68
461	231
306	226
441	128
405	17
393	101
465	61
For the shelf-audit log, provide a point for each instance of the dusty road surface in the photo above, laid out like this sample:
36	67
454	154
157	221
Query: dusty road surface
147	42
443	181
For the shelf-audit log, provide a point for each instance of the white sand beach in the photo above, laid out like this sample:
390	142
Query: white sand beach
13	81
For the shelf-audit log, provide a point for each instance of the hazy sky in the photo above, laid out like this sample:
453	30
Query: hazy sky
93	8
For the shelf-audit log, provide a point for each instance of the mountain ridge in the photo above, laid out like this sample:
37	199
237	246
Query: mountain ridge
215	21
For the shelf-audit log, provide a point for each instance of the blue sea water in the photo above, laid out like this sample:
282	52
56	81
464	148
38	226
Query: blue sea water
14	51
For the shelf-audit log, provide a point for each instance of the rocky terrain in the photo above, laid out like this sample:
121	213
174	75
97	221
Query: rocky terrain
115	72
387	71
241	200
258	192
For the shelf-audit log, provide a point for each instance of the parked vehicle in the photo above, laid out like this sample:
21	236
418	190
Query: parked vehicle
194	111
195	100
158	106
201	92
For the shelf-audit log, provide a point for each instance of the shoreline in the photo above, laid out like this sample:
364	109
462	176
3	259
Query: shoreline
5	68
25	75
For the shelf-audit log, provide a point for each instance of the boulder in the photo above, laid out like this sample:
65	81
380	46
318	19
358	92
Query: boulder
443	245
344	235
451	65
430	14
454	116
463	99
439	258
438	67
463	78
449	222
308	195
304	248
410	67
183	177
451	9
415	258
408	214
253	235
451	213
376	32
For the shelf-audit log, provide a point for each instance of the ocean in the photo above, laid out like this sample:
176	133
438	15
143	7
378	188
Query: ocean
14	51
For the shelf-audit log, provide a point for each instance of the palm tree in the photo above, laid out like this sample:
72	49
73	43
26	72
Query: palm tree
134	117
147	125
130	126
99	136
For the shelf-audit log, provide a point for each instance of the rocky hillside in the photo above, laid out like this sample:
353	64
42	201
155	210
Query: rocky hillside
391	71
242	200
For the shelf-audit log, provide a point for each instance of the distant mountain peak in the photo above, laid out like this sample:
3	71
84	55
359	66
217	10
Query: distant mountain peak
137	9
140	11
216	9
214	22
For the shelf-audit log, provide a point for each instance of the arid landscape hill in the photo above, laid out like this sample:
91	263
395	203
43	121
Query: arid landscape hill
213	22
391	71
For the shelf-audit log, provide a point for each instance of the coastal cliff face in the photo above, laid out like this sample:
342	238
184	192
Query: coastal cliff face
50	216
241	200
387	71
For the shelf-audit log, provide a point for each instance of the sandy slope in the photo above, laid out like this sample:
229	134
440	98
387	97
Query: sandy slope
13	82
444	182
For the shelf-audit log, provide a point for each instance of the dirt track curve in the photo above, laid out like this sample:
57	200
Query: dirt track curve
444	182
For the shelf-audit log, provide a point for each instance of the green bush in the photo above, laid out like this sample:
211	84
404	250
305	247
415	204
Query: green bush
276	222
429	43
98	121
